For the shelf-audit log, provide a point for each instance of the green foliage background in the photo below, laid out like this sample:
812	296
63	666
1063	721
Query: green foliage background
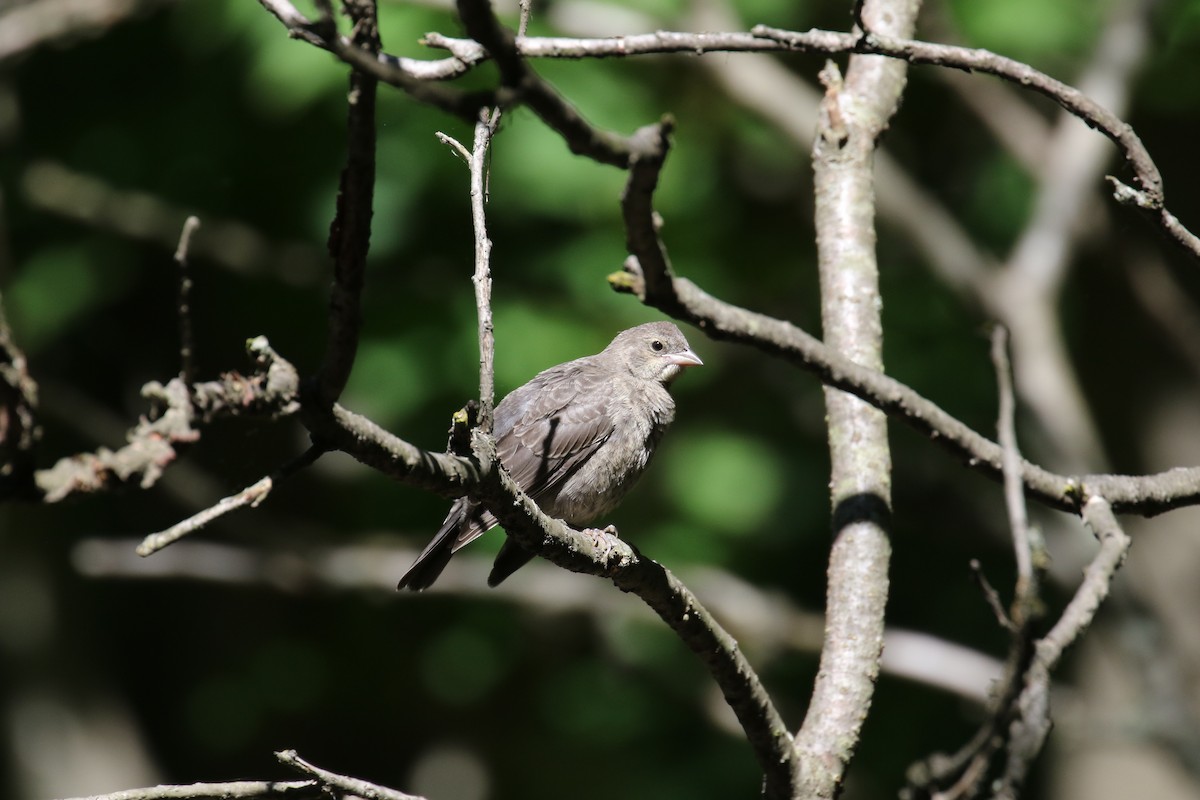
208	108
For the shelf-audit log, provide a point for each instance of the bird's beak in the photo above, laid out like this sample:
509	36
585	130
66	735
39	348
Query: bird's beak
685	359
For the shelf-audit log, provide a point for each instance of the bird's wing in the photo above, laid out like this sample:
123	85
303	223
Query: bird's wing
549	427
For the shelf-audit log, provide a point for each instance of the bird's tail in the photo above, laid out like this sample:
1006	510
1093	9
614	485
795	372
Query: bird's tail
465	523
433	559
510	559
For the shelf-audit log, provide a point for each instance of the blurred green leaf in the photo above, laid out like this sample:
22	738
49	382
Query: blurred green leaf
719	479
1028	29
388	381
587	699
55	288
460	665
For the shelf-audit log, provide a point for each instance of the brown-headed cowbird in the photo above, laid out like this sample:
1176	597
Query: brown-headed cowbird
575	439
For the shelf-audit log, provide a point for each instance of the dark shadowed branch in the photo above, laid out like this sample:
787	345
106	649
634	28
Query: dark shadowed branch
19	429
350	231
187	344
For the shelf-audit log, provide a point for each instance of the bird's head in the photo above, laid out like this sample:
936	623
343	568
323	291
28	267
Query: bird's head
656	351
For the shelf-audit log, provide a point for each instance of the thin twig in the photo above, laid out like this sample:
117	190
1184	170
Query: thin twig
251	496
526	7
455	145
485	129
961	774
187	345
234	790
1025	542
342	783
179	412
991	596
1097	579
1032	725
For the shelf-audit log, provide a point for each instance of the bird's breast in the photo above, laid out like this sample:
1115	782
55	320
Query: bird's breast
640	415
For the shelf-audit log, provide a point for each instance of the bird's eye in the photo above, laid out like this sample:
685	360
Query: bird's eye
656	346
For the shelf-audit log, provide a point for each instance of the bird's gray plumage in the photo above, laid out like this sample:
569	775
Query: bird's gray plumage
574	438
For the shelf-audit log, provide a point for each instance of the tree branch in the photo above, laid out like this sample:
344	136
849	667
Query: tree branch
1137	494
350	231
178	412
19	430
529	88
852	116
1146	195
1032	724
251	496
235	790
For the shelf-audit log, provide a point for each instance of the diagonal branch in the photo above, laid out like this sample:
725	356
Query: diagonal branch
648	267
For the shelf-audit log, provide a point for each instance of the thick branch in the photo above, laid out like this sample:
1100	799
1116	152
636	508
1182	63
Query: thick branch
350	231
853	114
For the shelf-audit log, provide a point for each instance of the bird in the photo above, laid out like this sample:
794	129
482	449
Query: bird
575	438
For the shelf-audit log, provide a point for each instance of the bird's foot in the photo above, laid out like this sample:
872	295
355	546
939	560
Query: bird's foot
604	539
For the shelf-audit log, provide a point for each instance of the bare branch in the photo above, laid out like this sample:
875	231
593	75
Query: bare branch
324	785
250	496
1097	580
991	596
342	783
187	344
412	76
581	137
1139	494
485	129
1032	725
236	790
1029	553
179	411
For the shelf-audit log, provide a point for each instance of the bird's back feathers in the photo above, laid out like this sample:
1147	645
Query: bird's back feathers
575	438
